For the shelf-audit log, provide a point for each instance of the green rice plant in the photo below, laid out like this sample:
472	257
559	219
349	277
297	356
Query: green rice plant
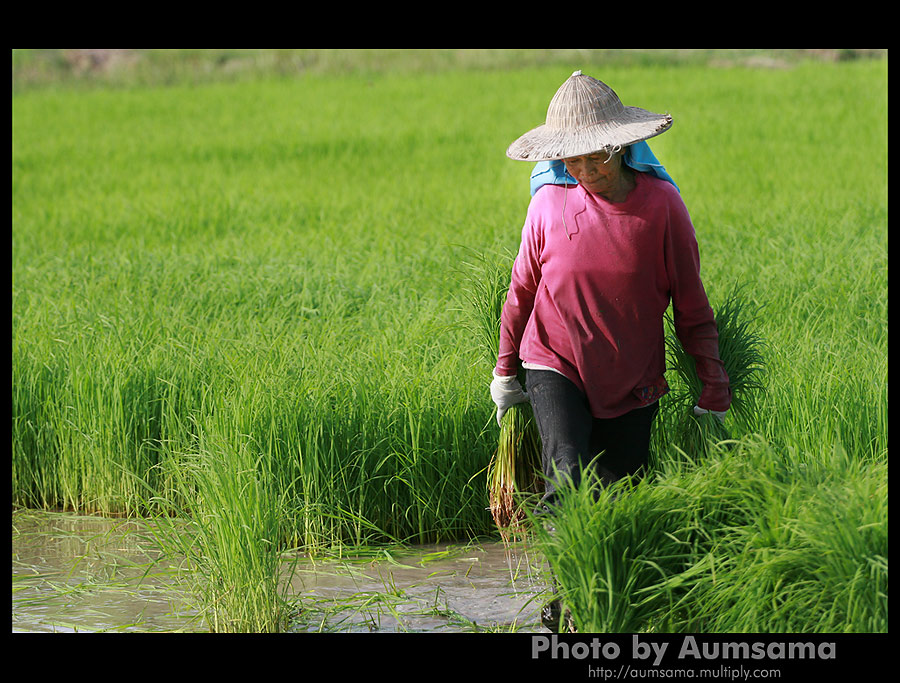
514	474
751	541
680	433
228	535
810	553
612	550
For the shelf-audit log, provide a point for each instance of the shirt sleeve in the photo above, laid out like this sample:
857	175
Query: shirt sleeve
523	286
695	323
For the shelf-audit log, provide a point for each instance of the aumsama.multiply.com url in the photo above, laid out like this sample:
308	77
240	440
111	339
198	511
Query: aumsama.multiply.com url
626	672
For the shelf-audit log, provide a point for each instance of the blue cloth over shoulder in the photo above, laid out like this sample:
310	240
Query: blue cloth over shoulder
638	156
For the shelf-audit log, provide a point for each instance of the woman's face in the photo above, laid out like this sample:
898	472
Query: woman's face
594	172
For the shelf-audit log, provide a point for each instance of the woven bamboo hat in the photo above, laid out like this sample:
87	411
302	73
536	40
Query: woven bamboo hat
586	116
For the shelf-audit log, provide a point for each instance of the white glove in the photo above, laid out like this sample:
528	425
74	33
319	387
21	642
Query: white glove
506	391
702	411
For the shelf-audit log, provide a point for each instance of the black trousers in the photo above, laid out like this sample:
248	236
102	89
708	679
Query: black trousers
572	438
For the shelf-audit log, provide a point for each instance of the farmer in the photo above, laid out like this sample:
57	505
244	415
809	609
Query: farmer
607	244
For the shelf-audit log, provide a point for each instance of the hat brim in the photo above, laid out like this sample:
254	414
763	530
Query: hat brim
547	144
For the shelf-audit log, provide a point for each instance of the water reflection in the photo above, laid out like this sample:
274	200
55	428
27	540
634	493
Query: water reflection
475	587
82	573
79	573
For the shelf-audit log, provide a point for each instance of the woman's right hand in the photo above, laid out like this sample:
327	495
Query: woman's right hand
506	391
698	411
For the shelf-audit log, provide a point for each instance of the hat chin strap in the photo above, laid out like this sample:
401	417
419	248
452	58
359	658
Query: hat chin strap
563	212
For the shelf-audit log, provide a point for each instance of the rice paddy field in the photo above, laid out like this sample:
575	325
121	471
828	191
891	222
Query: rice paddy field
245	302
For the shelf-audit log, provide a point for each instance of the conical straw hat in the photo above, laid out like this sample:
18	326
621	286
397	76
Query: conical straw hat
586	116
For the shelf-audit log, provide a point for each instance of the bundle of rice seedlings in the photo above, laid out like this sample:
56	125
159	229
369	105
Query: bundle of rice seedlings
487	280
514	473
741	351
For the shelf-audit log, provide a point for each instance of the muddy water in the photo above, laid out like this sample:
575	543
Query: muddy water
76	573
475	587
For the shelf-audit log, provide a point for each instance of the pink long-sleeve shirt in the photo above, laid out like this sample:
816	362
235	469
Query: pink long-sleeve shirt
588	295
